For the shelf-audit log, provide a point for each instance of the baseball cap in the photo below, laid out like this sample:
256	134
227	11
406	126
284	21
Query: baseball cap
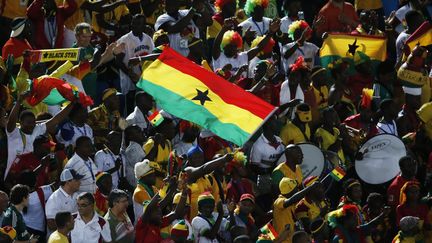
70	174
247	196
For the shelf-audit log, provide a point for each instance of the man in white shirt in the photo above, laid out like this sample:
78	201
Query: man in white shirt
134	152
64	198
413	20
257	23
179	24
144	103
75	127
110	159
82	163
137	43
89	226
20	140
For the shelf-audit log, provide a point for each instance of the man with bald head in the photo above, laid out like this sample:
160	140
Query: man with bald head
290	168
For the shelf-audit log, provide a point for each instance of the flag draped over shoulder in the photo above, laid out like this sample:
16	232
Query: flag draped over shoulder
422	36
192	93
338	46
54	91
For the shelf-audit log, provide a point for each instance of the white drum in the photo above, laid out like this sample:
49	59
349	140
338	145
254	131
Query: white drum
313	160
380	162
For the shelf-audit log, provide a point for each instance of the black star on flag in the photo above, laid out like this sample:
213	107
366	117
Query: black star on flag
45	55
202	96
353	47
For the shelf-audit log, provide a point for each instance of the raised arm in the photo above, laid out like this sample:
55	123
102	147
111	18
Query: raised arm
299	195
70	8
228	24
34	11
13	116
274	26
101	7
177	27
62	115
195	173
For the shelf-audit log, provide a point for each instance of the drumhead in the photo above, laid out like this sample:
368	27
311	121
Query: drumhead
380	162
313	160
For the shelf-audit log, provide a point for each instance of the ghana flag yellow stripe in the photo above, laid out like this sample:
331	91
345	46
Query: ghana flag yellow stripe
192	93
346	45
422	36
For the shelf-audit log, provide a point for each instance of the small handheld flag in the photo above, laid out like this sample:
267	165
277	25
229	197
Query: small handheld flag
269	231
156	118
337	173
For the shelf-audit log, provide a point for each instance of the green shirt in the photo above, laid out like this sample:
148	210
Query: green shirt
120	231
14	218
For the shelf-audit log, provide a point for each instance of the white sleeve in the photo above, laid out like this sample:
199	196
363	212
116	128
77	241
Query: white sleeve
198	226
50	208
99	160
106	232
284	95
40	129
255	154
47	190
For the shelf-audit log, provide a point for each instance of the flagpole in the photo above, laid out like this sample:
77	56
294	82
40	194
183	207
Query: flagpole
260	125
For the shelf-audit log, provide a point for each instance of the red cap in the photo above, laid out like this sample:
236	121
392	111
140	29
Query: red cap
247	196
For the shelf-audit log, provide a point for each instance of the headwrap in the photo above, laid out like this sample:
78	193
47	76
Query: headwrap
219	4
366	100
402	196
309	181
299	65
231	37
267	48
287	185
108	92
360	57
9	231
180	229
205	198
251	4
195	149
100	176
298	24
408	223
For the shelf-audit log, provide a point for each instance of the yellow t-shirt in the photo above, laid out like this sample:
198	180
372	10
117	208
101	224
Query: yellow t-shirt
77	17
112	17
162	156
283	216
57	237
13	8
291	134
282	170
321	97
327	139
200	186
215	187
140	194
213	30
367	4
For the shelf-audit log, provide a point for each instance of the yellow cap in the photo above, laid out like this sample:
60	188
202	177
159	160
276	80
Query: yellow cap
177	197
425	112
287	185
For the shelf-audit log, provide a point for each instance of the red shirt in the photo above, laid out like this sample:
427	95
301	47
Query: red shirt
101	202
331	14
146	232
421	212
393	191
212	145
235	190
29	162
15	47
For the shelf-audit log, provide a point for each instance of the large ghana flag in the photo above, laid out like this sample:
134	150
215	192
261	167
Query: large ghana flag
422	36
338	46
192	93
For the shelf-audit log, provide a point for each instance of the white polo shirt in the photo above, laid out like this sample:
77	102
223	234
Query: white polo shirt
21	143
265	155
91	232
308	51
35	217
61	201
260	28
105	160
86	168
236	62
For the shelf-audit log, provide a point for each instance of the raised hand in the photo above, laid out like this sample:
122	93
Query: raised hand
274	26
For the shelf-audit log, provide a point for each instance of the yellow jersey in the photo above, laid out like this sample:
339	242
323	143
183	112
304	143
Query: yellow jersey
291	134
13	8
